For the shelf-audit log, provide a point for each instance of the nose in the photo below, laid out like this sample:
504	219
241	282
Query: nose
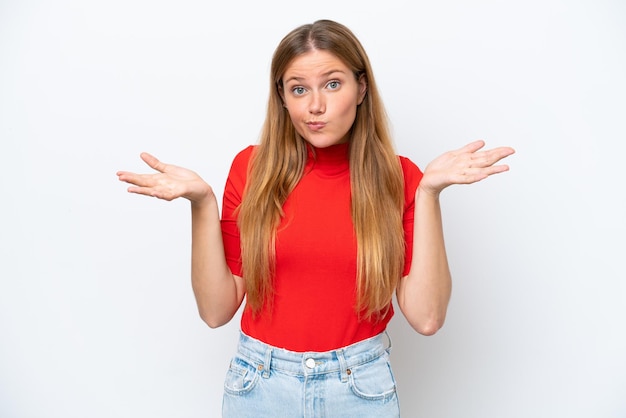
317	105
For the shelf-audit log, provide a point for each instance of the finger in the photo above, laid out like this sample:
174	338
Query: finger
488	171
472	147
122	174
498	154
141	180
157	191
495	169
506	151
153	162
489	157
146	191
127	176
502	151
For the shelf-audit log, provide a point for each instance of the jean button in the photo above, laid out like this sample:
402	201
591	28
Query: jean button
310	363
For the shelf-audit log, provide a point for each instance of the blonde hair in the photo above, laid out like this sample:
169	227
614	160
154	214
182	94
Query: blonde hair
376	178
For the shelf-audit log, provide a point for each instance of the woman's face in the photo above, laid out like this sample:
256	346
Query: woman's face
321	95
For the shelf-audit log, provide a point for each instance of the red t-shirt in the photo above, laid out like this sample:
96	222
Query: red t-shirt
315	277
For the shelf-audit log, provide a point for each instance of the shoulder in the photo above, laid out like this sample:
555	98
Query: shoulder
242	159
412	177
412	173
238	174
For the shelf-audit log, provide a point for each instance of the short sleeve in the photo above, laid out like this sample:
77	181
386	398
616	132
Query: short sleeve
233	194
412	177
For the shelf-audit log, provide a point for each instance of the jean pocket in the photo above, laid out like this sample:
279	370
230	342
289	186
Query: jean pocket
373	380
241	377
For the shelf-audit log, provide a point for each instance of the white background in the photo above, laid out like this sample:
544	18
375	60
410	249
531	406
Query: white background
97	316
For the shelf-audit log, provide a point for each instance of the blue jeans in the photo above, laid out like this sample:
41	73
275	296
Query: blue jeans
354	381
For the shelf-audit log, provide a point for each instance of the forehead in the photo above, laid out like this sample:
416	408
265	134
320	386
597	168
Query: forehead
313	63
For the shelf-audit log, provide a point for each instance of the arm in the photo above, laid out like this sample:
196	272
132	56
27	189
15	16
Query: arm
423	294
218	292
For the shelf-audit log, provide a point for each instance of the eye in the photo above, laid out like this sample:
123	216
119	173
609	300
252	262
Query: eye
298	90
333	85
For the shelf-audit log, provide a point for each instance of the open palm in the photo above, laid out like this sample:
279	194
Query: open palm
168	183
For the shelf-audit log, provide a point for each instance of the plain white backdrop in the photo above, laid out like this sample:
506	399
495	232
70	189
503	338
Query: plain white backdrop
97	316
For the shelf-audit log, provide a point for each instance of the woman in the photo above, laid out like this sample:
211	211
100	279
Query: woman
321	223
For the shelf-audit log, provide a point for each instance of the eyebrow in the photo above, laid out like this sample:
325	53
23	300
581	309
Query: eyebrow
326	74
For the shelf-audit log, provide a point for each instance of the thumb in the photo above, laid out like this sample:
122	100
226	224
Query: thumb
153	162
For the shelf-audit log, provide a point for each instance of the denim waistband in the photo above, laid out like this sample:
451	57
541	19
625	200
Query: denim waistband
267	358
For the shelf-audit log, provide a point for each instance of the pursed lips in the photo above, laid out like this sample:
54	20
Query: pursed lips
316	126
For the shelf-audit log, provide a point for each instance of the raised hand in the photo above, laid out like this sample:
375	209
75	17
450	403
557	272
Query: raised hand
463	166
170	181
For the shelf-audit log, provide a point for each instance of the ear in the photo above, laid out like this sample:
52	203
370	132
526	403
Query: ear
281	92
362	81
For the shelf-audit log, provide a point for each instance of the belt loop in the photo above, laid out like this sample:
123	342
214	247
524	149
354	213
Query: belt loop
343	366
267	363
388	349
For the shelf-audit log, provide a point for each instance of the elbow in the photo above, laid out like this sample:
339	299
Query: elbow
212	320
425	315
426	324
428	328
213	324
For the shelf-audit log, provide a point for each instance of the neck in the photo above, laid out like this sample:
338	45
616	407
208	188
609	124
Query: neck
331	160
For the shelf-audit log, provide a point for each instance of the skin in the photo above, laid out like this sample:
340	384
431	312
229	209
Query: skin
423	295
218	292
321	95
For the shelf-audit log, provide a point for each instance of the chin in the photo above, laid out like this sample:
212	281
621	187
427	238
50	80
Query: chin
324	143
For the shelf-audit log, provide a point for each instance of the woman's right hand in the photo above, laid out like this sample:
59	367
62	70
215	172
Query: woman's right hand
170	182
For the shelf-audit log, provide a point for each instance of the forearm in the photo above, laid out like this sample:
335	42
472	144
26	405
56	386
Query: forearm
217	291
423	294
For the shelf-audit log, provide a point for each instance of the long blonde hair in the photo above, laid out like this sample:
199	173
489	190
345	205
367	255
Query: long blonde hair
375	174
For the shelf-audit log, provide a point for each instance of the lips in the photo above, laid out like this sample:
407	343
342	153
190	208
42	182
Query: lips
315	126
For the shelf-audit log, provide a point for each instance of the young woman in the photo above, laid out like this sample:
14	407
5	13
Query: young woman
321	223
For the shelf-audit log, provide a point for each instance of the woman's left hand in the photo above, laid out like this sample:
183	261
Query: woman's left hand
463	166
